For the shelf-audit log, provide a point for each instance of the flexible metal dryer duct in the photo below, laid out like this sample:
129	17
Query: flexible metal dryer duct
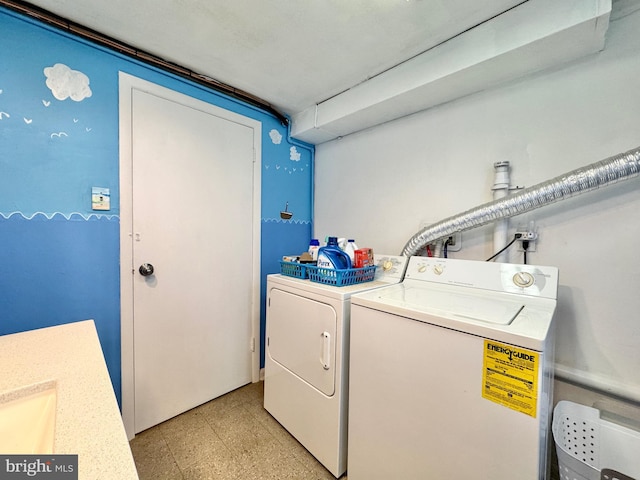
606	172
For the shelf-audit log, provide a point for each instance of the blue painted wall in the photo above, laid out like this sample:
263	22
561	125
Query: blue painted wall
59	259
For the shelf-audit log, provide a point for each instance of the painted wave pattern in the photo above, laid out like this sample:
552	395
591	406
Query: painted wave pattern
279	220
102	216
66	216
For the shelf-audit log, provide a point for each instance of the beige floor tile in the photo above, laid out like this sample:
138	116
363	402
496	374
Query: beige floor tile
252	393
295	448
274	462
153	458
247	438
221	405
230	438
220	467
273	427
195	446
186	421
318	472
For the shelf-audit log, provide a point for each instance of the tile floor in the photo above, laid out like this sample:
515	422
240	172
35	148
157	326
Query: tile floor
230	438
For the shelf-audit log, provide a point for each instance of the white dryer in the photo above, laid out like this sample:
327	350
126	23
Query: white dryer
307	358
451	373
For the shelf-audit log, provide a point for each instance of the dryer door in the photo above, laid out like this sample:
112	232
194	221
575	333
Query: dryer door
301	336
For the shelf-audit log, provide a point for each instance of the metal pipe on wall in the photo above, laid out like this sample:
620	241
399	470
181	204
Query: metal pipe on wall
501	190
600	174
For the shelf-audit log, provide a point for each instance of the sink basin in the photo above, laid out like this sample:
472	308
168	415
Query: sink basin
27	419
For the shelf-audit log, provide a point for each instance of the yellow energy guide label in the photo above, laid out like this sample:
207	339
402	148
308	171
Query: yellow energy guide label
510	376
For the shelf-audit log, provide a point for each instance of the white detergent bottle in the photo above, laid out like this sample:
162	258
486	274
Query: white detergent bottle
314	246
332	256
350	249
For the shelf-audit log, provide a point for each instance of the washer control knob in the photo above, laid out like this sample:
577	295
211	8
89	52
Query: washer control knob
387	265
438	269
422	268
523	279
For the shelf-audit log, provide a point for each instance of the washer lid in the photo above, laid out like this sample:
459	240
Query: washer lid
489	310
505	317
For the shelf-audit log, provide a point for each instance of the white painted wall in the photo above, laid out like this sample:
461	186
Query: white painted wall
380	185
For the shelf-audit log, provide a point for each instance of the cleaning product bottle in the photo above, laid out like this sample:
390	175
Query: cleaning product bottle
331	256
350	248
314	245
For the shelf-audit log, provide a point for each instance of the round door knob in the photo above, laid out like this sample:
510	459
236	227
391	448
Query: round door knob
146	269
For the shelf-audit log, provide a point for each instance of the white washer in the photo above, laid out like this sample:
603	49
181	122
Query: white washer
451	373
307	358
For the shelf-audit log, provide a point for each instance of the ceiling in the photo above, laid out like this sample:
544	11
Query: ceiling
338	66
292	54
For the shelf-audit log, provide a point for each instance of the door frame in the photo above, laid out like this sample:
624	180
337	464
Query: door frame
128	83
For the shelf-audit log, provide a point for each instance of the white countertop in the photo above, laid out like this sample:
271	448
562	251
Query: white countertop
88	421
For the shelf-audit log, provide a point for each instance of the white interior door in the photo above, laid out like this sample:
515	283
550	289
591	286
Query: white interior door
193	212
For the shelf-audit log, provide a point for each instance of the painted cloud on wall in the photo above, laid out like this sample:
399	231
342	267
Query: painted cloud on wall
294	154
67	83
276	137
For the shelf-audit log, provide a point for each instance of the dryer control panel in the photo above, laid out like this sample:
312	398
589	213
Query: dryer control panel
532	280
390	268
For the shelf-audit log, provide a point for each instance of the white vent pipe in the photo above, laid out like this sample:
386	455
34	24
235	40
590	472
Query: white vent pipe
600	174
500	190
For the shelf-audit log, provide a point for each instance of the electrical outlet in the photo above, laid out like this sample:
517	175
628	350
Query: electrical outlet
455	242
529	234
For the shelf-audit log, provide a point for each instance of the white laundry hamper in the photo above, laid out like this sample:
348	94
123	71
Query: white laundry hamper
590	448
